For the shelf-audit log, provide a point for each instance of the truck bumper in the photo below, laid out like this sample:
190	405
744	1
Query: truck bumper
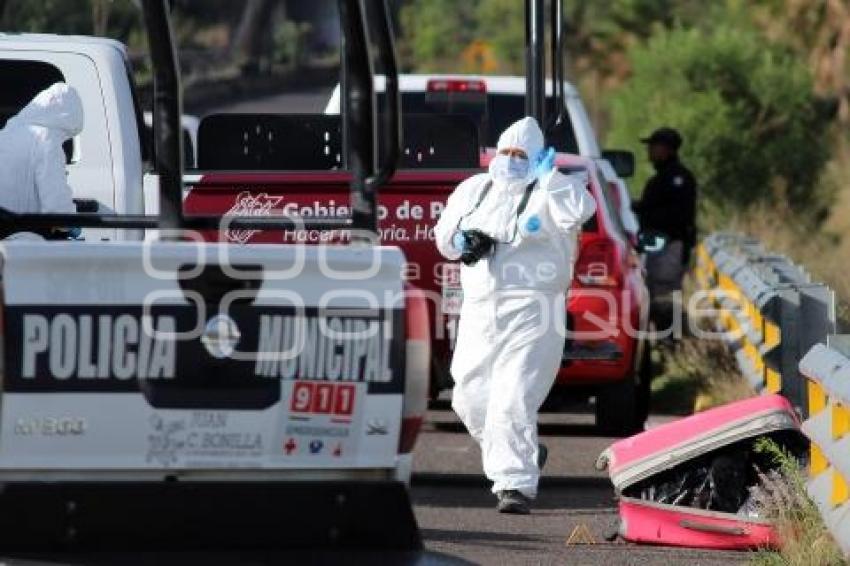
198	515
596	363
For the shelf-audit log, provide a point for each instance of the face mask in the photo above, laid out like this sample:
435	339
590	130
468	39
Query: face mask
509	168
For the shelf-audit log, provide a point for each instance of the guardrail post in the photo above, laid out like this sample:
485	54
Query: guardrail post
827	369
817	323
793	387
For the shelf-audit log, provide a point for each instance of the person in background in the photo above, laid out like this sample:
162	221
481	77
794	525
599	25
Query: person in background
515	229
668	207
32	161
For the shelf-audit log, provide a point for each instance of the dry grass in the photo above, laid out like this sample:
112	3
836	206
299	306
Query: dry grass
825	252
695	375
804	538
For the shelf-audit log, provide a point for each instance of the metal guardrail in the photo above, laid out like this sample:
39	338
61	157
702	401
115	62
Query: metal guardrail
771	309
782	327
827	369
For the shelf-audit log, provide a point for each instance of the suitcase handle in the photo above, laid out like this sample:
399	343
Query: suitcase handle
712	528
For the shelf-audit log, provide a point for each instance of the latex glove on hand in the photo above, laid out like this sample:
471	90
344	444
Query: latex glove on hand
545	161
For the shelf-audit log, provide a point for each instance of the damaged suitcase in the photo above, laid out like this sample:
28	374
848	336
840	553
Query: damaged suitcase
692	482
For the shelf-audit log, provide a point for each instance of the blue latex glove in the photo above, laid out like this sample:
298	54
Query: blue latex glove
74	233
459	241
544	161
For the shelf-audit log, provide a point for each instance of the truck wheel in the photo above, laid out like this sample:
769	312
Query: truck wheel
441	379
644	386
617	409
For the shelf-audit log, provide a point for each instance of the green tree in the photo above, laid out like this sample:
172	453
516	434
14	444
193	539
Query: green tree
111	18
435	32
818	31
501	23
745	108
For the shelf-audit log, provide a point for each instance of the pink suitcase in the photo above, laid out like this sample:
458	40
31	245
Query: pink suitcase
645	468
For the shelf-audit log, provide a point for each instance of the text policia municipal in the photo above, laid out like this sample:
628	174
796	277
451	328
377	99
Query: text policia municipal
66	346
349	349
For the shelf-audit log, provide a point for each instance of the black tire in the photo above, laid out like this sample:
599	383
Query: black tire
644	385
441	378
617	409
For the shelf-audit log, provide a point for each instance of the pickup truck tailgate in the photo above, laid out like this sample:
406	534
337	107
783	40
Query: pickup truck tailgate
192	356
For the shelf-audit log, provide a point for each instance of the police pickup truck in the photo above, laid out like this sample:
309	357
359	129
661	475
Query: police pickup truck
173	389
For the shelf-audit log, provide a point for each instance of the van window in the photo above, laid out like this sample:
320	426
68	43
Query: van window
31	77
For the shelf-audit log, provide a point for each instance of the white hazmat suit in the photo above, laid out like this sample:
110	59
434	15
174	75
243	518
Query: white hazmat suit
511	331
32	162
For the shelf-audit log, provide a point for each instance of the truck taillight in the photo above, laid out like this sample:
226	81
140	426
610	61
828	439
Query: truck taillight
418	368
456	85
597	264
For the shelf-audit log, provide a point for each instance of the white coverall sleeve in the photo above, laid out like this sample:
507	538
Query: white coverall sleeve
54	193
458	204
570	204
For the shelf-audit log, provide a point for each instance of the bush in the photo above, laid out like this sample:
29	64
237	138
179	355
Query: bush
745	107
803	536
434	34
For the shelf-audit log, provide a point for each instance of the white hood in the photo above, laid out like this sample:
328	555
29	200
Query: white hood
523	134
58	108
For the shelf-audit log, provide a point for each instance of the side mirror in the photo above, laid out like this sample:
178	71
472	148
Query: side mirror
622	161
651	242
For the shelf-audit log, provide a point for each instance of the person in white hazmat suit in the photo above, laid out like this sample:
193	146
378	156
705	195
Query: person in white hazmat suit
32	161
515	229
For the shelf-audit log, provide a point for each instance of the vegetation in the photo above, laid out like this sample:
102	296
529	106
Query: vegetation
746	109
252	35
758	88
695	375
804	539
825	253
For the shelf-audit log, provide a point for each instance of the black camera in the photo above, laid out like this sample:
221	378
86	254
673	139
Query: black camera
478	245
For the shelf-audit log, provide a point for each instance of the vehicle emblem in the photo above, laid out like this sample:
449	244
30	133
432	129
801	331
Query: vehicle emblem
221	335
377	427
247	204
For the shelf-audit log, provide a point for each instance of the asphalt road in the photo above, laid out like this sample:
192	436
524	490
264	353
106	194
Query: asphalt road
457	517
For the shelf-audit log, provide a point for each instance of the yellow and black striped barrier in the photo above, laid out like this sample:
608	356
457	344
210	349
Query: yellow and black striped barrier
827	369
769	309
